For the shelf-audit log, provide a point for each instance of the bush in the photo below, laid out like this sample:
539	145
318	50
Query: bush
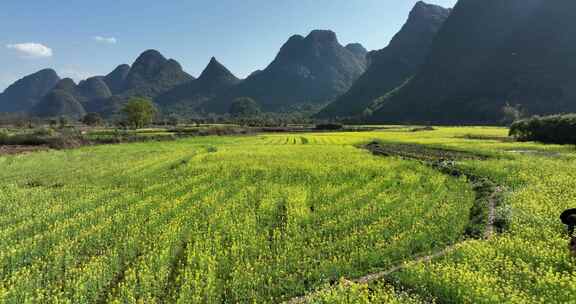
3	134
64	142
420	129
555	129
66	138
93	119
503	218
244	107
329	127
43	132
511	114
36	138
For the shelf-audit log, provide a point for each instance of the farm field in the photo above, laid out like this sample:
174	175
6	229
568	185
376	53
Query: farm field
263	219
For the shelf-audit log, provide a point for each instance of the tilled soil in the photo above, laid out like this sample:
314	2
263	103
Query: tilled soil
421	152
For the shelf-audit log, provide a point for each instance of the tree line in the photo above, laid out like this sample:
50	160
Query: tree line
554	129
139	112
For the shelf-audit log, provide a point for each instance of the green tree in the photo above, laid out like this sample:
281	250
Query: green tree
367	113
93	119
173	120
139	112
244	107
511	114
63	121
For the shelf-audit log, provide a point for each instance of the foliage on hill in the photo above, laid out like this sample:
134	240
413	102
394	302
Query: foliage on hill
244	107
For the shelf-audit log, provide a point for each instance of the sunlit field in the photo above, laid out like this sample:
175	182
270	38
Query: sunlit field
262	219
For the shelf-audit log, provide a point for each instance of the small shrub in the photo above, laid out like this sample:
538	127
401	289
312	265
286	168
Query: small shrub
3	135
329	127
511	113
503	218
93	119
420	129
244	107
43	132
65	142
34	183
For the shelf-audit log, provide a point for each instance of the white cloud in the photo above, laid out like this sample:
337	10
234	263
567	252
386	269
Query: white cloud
108	40
31	50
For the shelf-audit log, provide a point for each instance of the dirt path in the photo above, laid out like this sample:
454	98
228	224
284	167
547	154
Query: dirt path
492	212
14	149
381	274
371	277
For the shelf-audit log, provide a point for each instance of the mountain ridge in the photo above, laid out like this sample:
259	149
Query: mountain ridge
62	100
28	91
313	69
488	55
214	79
388	68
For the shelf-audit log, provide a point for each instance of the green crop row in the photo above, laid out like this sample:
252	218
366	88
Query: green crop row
216	219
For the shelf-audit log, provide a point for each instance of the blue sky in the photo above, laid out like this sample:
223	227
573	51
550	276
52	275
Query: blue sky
86	38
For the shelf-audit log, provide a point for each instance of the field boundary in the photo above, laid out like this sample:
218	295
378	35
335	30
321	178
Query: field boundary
488	194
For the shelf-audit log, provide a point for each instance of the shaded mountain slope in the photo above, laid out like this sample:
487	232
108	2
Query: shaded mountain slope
150	75
28	91
393	65
215	79
115	80
312	69
61	101
153	74
490	53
